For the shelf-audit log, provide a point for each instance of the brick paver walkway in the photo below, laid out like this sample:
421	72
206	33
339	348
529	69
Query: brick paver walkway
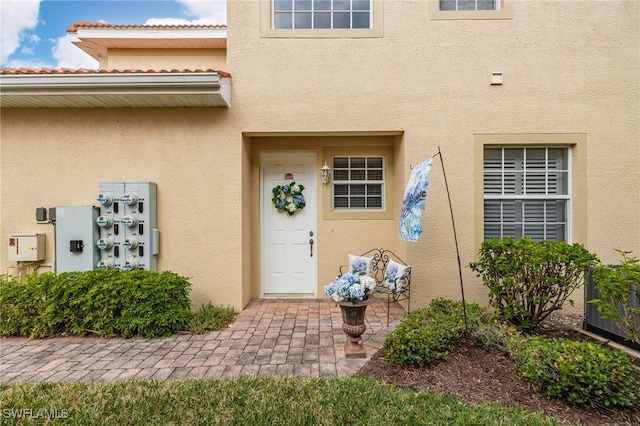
269	337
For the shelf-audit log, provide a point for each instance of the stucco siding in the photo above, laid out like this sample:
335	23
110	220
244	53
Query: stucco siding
569	68
60	159
571	77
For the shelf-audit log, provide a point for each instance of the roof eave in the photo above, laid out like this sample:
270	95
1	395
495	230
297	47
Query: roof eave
131	90
96	41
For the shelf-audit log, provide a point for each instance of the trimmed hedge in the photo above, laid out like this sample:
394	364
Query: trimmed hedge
527	280
100	302
430	334
579	372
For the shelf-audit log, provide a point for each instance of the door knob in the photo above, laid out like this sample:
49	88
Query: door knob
311	247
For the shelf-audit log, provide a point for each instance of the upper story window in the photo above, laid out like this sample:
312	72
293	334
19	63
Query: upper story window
471	9
321	18
526	192
358	183
321	14
469	4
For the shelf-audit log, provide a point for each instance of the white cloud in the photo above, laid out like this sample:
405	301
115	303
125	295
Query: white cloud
26	50
70	56
168	21
16	16
19	63
206	11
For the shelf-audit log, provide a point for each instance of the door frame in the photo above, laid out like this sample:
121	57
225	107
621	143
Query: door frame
263	155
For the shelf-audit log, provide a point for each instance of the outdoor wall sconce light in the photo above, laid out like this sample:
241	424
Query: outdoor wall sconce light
325	173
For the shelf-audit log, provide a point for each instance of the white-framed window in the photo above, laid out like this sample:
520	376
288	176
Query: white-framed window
358	182
469	4
527	192
471	9
321	14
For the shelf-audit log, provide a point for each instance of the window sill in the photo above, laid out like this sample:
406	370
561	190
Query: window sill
322	33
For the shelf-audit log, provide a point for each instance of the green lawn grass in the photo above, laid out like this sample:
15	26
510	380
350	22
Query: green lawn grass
245	401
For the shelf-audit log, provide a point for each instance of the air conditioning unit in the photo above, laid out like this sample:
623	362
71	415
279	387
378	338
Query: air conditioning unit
594	322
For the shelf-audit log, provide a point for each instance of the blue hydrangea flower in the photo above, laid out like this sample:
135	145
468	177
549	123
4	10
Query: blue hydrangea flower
349	287
329	289
356	291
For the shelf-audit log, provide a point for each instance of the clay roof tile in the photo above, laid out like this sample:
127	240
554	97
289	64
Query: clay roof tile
51	71
73	28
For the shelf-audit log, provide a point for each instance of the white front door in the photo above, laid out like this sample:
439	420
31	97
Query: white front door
288	241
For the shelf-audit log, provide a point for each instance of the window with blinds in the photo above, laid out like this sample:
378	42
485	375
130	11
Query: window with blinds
526	192
358	183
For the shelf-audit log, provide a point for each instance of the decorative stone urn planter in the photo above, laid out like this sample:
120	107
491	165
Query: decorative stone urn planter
353	325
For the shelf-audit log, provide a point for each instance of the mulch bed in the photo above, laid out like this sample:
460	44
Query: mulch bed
476	375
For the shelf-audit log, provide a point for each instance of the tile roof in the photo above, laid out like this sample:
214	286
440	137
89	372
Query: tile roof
81	71
101	25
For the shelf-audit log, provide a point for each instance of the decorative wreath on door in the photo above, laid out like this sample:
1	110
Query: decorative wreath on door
288	198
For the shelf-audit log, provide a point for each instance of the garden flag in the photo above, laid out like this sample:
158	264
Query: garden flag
414	201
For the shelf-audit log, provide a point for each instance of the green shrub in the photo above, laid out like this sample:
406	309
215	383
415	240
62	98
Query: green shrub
101	302
577	371
528	280
210	318
619	289
22	301
429	334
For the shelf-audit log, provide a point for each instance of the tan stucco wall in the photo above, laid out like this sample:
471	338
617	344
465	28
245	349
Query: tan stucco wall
60	159
570	68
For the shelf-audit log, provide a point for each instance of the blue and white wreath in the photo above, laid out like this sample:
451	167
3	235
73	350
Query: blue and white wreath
288	198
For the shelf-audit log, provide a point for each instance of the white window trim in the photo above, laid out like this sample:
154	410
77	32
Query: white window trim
349	182
498	3
373	147
504	11
312	12
533	197
267	30
576	142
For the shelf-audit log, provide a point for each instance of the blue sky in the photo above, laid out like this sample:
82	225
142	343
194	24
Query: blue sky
34	32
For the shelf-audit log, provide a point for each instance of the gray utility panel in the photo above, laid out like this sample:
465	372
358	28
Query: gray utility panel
76	234
121	232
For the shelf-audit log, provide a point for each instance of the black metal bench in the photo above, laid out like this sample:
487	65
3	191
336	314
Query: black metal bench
400	287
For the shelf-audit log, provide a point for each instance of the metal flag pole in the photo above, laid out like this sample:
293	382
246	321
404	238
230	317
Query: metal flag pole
455	237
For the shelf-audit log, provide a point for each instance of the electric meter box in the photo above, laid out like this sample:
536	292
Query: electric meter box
76	237
27	248
131	208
